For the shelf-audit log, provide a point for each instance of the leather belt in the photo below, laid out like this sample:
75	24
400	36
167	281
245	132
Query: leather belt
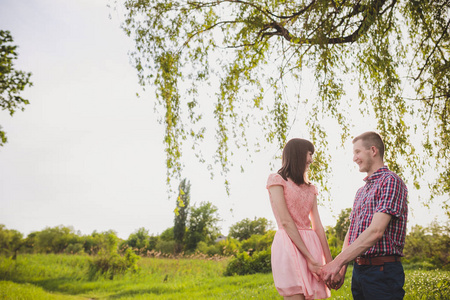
377	260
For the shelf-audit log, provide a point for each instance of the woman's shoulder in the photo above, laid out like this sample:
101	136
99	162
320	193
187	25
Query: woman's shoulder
315	189
310	188
275	179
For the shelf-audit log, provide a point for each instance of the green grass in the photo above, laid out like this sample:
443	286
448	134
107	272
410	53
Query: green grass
15	291
66	277
427	285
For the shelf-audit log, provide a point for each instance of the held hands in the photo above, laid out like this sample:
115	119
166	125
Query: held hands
337	282
333	275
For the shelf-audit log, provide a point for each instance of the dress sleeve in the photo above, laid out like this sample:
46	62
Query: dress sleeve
316	190
275	179
393	197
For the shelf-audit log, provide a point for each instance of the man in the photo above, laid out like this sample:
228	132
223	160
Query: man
376	236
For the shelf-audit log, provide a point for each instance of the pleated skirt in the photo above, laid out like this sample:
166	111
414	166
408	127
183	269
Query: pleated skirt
290	270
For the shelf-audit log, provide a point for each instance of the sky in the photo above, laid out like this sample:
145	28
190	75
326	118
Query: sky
88	153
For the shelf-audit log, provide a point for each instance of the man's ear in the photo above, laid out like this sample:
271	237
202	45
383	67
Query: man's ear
374	151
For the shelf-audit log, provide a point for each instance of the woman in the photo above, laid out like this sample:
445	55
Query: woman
298	251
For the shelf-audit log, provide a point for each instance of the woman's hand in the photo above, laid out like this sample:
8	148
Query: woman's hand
315	268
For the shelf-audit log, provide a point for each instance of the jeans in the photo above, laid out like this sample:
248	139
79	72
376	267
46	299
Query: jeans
378	282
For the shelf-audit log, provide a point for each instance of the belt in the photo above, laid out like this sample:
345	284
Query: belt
377	260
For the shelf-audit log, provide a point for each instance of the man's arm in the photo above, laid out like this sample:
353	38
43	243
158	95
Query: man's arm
365	240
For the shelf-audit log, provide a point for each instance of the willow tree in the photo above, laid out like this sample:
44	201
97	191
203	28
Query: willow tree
12	81
396	53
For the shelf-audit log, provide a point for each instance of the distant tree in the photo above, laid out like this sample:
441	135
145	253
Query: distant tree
244	229
181	214
166	242
153	241
342	223
110	241
428	247
203	225
336	234
29	243
167	235
56	239
396	54
10	240
139	241
12	81
106	242
417	247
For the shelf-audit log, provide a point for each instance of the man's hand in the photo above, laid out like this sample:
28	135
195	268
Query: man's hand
335	284
339	279
332	276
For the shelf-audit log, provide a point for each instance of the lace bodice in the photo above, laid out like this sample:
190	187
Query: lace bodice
299	200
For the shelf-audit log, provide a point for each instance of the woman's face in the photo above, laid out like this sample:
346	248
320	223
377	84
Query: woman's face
309	158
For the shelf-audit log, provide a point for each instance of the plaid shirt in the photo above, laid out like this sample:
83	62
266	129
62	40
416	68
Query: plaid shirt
384	192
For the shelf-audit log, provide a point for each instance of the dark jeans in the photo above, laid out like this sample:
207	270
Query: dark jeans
378	282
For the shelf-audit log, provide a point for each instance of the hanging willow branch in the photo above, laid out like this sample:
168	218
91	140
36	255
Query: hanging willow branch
253	51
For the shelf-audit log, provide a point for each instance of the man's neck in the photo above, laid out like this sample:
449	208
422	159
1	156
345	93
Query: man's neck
375	167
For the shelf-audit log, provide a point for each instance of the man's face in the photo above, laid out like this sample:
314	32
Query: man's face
362	156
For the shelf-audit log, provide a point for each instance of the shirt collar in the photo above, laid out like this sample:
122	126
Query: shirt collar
376	174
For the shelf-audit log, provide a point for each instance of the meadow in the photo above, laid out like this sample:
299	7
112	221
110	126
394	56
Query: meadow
57	276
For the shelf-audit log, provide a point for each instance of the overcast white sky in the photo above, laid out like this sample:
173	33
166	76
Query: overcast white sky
88	153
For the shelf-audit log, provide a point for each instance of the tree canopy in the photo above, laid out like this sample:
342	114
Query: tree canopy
203	225
256	54
12	81
245	228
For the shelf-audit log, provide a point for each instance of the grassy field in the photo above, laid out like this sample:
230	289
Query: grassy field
66	277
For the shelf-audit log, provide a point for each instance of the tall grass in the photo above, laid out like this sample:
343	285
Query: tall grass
428	285
66	277
14	291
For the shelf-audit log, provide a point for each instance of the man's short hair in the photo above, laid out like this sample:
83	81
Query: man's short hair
370	139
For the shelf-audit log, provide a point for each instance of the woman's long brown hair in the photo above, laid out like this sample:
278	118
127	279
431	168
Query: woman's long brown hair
294	160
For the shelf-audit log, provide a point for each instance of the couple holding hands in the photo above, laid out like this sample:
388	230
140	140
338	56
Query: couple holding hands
302	265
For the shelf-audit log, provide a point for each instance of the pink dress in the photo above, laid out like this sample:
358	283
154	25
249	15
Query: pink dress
289	268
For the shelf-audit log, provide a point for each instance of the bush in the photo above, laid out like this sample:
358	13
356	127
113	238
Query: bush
243	263
210	250
262	262
76	248
167	247
112	264
258	242
228	247
419	265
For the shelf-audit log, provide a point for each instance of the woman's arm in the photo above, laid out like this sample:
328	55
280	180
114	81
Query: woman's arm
279	204
318	228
